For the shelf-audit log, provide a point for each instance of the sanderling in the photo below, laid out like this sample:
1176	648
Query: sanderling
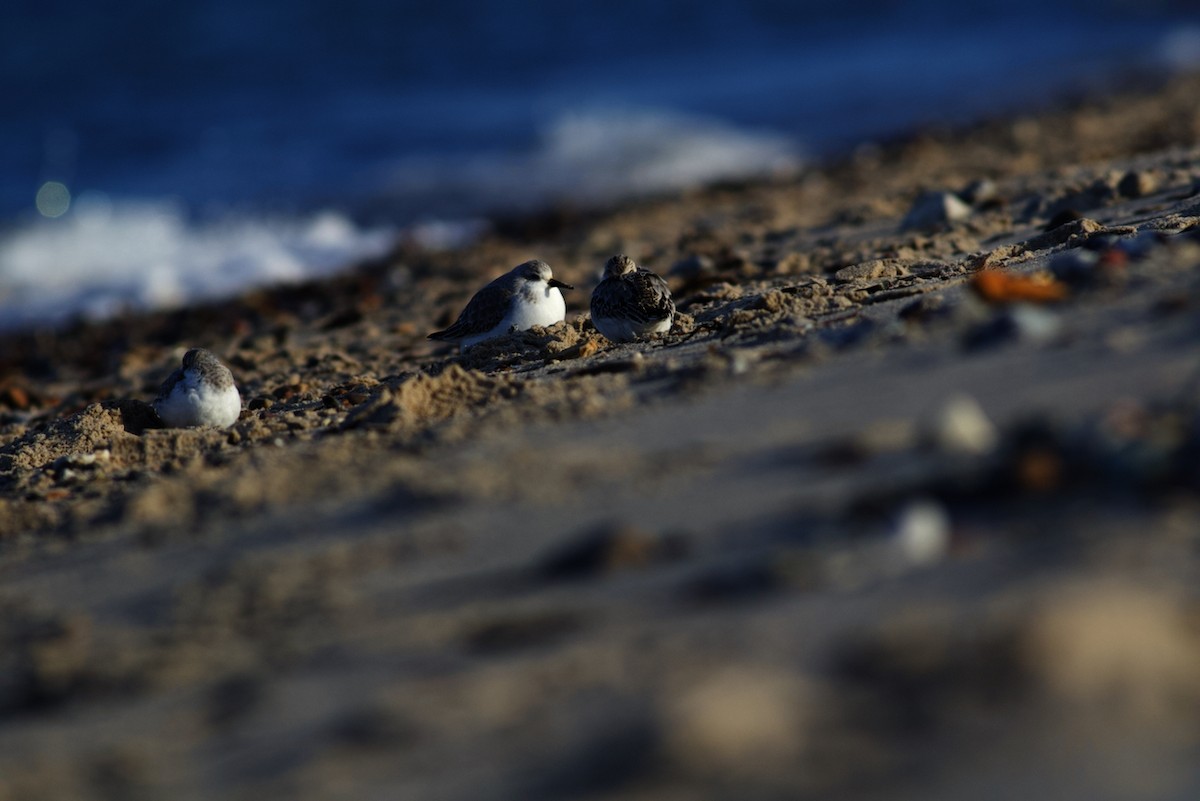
200	393
524	297
631	302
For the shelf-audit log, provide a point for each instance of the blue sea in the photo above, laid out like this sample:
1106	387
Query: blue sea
156	153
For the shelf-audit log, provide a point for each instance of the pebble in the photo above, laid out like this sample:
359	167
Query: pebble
1140	244
961	426
922	532
980	192
1134	184
1076	266
935	209
1020	322
15	398
1034	324
739	363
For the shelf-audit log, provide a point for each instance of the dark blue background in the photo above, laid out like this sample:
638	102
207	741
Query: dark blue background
293	106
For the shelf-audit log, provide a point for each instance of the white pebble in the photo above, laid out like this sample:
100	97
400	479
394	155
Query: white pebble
962	427
922	532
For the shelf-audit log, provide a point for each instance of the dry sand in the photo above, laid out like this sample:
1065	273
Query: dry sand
896	511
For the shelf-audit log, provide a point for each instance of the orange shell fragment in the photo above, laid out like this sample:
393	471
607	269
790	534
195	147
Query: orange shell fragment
997	286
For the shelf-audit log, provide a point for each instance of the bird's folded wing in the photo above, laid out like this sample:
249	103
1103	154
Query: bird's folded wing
485	311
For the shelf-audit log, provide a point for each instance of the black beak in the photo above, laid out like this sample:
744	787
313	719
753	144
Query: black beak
559	284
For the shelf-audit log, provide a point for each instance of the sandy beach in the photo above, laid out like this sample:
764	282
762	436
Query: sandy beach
905	505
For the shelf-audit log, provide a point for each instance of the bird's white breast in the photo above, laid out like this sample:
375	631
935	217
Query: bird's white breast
196	403
544	306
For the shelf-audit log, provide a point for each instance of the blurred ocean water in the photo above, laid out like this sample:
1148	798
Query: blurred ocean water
155	152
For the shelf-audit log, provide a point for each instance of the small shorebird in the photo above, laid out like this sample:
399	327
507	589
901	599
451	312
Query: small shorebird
200	393
631	302
526	296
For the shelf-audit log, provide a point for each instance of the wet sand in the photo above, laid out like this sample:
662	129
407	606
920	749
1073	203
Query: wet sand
903	507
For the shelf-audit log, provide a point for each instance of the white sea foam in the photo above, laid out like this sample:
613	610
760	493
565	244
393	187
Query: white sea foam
596	156
104	257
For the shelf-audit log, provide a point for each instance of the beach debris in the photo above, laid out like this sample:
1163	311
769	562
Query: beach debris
935	209
1140	244
981	192
962	427
15	397
1020	322
1038	465
921	532
1033	324
1137	183
999	286
1075	267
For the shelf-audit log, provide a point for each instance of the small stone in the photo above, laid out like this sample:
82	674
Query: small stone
980	192
15	398
739	363
1076	267
1018	323
961	426
1034	324
922	532
1137	183
935	209
1139	245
